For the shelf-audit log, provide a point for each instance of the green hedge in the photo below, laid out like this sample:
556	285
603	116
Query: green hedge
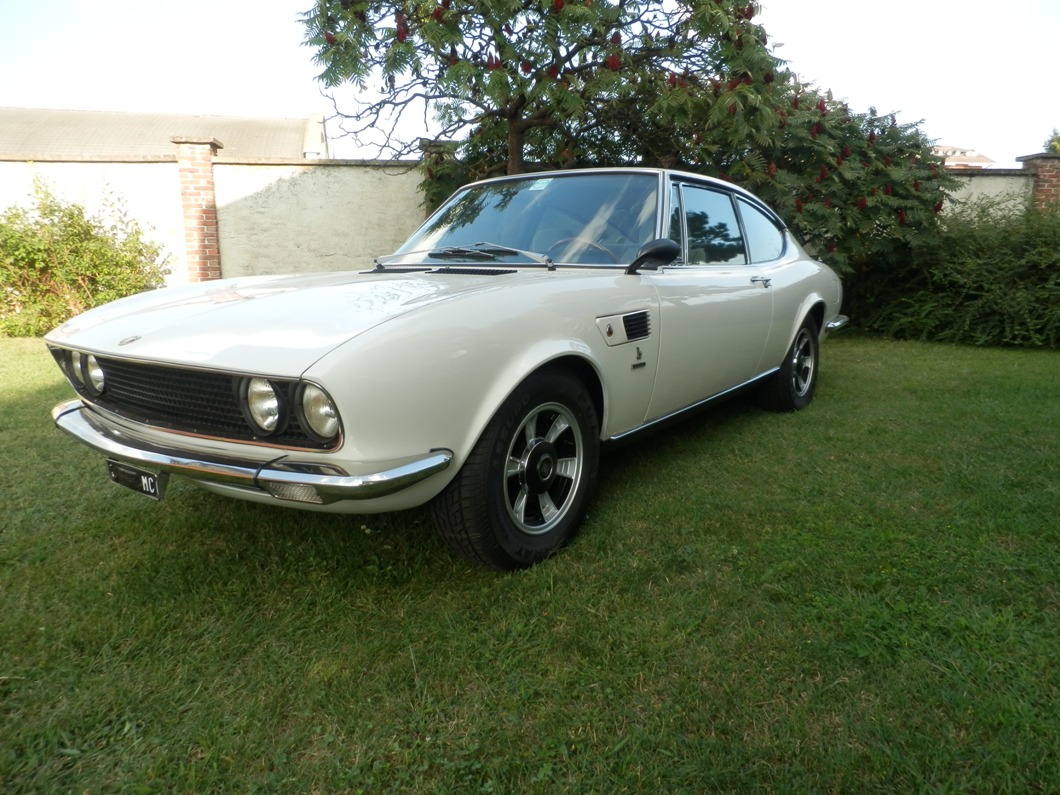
57	260
990	277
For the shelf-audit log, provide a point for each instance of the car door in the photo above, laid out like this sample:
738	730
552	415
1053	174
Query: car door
715	307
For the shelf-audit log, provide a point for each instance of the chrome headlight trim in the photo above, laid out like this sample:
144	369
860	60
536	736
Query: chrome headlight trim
85	372
73	360
264	405
318	413
95	378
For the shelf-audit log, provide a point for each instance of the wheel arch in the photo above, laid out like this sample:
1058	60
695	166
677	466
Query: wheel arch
812	307
566	356
516	500
585	372
817	313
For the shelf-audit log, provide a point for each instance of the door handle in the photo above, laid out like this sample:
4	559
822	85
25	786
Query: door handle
765	282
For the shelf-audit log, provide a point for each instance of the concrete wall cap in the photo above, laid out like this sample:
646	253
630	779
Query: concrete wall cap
194	139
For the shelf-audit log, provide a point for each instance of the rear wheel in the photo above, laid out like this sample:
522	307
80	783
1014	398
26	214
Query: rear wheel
792	387
525	488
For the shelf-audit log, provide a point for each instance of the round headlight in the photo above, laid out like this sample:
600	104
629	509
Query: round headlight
263	404
86	372
94	378
319	411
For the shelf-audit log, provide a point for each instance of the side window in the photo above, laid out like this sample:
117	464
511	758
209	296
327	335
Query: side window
764	241
714	236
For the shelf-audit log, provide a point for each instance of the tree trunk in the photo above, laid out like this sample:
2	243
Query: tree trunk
516	127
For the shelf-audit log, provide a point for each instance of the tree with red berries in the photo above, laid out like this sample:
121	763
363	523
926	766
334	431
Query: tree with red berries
536	78
689	84
861	189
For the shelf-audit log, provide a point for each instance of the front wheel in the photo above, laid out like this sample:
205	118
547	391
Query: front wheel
793	385
525	488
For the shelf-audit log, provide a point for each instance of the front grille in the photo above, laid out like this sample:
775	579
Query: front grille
186	399
190	401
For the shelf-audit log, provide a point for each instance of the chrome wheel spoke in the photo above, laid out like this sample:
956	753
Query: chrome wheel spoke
558	428
514	468
549	511
519	506
567	468
530	428
801	373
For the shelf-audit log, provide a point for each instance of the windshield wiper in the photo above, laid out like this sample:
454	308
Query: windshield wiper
475	252
488	252
467	252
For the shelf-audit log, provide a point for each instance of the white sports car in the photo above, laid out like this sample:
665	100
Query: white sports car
479	368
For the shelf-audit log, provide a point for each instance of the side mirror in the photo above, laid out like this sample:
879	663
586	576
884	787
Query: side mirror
655	254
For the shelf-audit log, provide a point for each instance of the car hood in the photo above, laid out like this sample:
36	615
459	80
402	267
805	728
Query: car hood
269	325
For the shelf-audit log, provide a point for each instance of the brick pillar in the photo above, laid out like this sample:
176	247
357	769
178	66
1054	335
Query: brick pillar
1046	170
195	159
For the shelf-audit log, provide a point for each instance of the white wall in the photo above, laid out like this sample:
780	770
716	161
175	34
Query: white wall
320	216
272	217
1013	185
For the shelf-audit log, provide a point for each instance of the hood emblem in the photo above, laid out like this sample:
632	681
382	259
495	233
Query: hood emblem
128	340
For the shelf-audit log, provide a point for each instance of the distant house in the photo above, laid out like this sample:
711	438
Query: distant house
958	157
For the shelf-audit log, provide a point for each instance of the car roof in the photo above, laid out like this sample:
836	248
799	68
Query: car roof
673	174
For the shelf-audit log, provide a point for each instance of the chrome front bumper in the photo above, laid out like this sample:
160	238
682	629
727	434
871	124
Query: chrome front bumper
281	478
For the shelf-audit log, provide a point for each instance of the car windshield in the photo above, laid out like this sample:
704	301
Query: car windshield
577	218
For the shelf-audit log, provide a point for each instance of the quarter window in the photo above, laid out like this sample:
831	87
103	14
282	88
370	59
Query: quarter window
765	241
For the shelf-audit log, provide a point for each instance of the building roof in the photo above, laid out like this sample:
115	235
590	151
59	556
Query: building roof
84	135
959	157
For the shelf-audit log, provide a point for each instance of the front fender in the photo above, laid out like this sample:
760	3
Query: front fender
434	379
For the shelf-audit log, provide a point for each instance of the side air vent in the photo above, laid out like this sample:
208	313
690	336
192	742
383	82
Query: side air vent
637	325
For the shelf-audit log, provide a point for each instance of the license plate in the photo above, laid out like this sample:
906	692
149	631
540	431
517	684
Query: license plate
150	484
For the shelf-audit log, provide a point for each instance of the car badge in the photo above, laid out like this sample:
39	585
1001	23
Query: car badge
128	340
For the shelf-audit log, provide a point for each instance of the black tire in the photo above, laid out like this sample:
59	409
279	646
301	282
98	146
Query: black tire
791	388
525	488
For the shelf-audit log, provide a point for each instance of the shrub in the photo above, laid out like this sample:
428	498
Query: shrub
990	277
1052	143
57	260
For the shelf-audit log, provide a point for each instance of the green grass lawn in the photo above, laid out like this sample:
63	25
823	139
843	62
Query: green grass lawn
864	596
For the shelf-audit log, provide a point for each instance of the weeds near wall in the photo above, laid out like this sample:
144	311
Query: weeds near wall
57	260
990	277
